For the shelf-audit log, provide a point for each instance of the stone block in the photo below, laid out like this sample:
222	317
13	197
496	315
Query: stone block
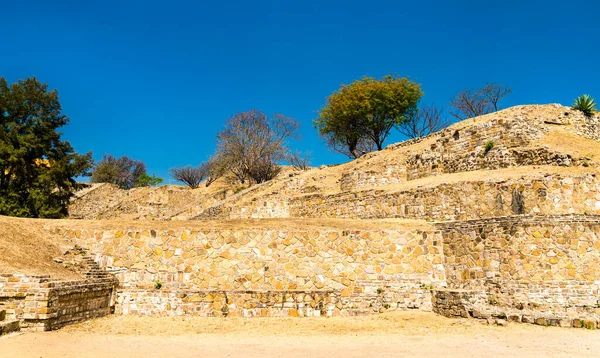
7	327
501	322
513	318
589	324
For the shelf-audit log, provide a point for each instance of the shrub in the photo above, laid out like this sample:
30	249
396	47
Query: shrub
586	104
192	176
489	146
145	180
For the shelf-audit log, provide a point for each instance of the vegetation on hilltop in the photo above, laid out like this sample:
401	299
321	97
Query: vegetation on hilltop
191	176
124	172
471	103
586	104
250	147
361	115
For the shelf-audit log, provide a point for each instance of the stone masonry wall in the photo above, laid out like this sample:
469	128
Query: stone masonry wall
479	304
45	305
552	194
366	269
464	149
526	262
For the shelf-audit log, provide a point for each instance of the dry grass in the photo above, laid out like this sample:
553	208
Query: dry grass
561	140
277	224
25	247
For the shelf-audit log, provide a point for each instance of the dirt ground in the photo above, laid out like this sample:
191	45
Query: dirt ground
387	335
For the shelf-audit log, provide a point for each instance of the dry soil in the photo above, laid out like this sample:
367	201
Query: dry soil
388	335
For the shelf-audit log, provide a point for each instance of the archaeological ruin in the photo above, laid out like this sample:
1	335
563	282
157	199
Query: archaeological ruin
495	218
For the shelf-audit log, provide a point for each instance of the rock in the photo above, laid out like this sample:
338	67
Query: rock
501	322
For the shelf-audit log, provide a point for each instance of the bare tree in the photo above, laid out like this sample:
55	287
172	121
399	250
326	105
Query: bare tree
471	103
427	120
300	160
217	167
192	176
252	144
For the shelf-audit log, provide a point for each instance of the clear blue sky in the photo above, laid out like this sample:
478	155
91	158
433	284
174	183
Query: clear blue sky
155	80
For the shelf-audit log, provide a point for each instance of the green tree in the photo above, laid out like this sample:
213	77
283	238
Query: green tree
148	180
37	168
361	115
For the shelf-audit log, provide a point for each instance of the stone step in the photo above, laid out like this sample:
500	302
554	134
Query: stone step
7	327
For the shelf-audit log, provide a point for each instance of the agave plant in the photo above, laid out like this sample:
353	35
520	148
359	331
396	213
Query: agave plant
586	104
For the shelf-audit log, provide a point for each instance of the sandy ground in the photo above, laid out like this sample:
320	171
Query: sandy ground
388	335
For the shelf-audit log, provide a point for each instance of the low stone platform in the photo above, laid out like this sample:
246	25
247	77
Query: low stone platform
479	305
8	326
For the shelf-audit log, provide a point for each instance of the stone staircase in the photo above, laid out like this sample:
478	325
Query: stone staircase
8	326
94	270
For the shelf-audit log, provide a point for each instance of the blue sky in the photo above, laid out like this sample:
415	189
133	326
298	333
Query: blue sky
155	80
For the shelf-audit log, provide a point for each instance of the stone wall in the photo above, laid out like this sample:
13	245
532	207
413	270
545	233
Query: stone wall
545	267
479	304
364	268
275	303
462	149
165	302
546	263
45	305
551	194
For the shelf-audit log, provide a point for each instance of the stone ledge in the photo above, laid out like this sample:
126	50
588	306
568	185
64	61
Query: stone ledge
7	327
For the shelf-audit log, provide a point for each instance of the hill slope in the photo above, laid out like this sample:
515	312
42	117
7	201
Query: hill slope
518	143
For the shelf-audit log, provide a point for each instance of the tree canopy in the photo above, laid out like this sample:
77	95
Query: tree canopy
252	144
123	172
37	168
471	103
191	176
361	115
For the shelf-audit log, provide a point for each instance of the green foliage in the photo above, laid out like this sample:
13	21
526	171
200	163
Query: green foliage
148	180
123	172
158	285
361	115
37	168
586	104
489	146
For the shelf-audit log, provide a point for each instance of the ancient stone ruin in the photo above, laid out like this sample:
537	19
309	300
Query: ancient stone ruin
505	232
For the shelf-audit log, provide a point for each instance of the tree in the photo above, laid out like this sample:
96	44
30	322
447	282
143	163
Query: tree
123	172
252	144
361	115
471	103
216	167
192	176
300	160
427	120
37	168
146	180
